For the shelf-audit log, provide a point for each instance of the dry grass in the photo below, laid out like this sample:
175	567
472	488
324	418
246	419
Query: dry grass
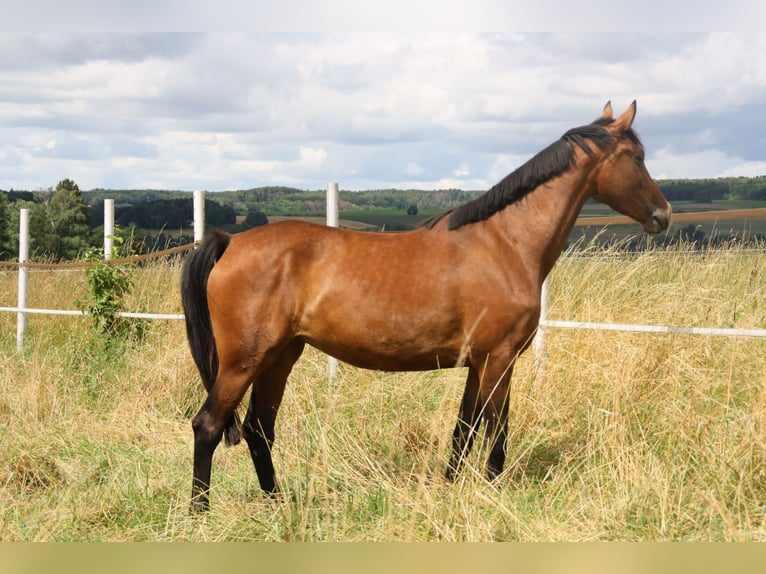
628	437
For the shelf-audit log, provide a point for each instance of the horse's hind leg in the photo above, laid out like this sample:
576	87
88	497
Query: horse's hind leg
208	426
258	426
467	423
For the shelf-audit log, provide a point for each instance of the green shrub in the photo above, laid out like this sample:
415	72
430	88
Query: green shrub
107	286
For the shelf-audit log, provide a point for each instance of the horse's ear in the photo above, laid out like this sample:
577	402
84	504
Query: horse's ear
607	113
623	123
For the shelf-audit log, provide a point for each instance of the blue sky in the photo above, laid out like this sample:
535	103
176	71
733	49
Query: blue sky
427	110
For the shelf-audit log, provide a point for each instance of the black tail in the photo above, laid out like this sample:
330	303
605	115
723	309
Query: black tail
199	329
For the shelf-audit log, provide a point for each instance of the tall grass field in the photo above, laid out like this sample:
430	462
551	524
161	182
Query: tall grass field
625	436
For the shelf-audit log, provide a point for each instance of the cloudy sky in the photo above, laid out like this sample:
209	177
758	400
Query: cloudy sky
221	111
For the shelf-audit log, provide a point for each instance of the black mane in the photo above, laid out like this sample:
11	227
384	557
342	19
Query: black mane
550	162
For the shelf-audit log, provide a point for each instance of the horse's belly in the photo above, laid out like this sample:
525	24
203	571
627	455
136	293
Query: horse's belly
386	341
431	330
384	357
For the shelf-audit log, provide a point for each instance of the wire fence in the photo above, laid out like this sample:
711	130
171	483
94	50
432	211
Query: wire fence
66	265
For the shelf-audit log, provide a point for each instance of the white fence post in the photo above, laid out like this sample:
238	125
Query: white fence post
332	204
21	317
332	221
108	228
538	344
199	214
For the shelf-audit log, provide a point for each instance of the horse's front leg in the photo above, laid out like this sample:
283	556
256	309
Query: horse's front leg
493	394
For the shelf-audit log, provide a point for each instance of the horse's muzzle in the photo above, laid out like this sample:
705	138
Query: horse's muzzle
659	220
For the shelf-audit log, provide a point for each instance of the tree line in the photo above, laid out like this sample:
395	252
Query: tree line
283	200
65	221
63	225
707	190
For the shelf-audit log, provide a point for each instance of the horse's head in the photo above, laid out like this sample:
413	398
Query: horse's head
621	179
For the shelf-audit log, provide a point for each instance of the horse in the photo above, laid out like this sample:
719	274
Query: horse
461	290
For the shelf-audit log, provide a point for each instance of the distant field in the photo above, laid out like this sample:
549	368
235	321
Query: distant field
397	220
388	219
321	220
726	226
366	220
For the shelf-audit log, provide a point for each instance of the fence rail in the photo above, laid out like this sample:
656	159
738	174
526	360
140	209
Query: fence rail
24	266
669	329
538	344
74	313
66	265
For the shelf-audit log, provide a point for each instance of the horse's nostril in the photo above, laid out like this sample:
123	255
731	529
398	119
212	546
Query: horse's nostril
661	218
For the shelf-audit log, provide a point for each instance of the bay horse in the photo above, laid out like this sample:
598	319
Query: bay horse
461	290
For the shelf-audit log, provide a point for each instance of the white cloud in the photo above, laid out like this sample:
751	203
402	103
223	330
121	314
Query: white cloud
462	171
413	169
312	158
222	111
504	164
745	169
669	164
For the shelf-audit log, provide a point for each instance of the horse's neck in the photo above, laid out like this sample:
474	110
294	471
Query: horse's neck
543	220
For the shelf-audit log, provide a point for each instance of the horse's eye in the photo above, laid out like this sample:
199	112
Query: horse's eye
640	158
